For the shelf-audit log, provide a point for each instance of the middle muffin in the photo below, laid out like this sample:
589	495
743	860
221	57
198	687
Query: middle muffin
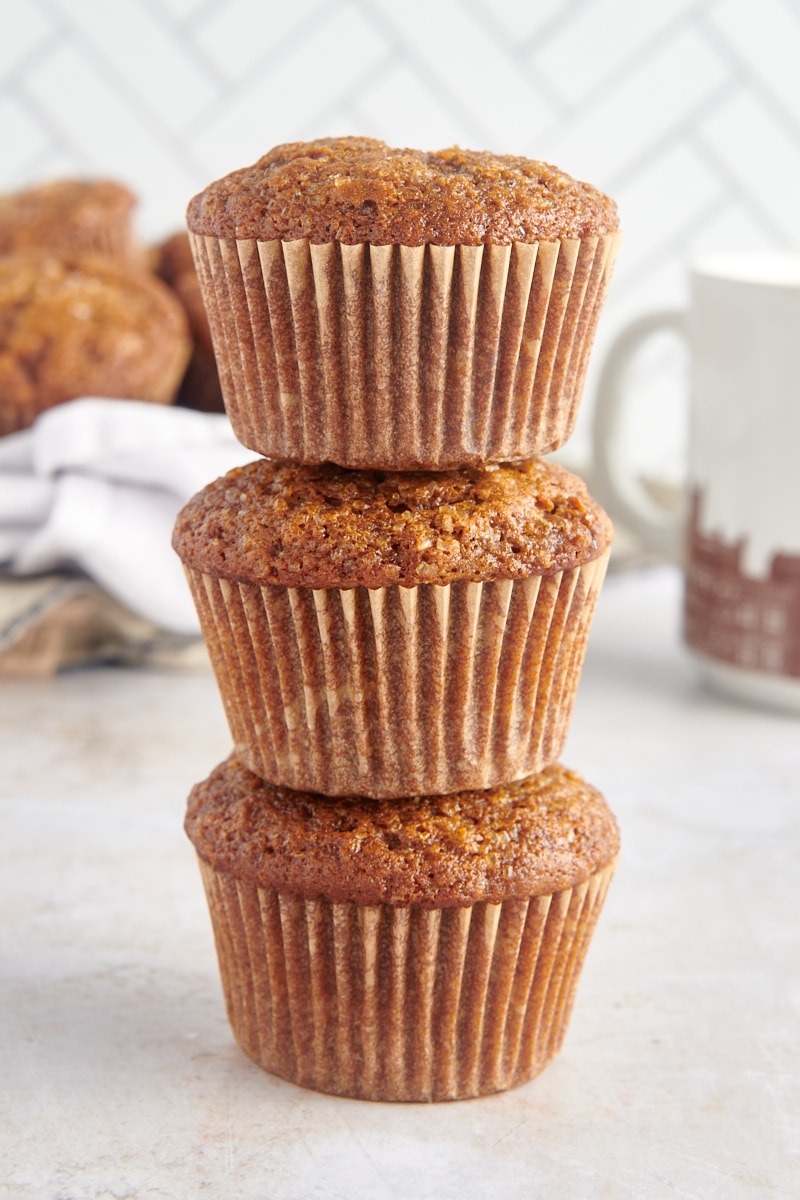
388	634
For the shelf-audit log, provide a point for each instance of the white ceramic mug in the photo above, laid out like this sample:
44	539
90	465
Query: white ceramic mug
739	531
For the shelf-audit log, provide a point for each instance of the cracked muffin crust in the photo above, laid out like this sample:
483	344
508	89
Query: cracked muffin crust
516	840
328	527
357	189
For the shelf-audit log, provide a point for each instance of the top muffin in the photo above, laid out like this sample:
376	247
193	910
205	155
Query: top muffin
399	309
358	190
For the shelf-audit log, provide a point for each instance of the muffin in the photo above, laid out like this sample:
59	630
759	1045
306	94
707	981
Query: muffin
378	307
200	388
387	634
70	216
172	257
424	949
73	327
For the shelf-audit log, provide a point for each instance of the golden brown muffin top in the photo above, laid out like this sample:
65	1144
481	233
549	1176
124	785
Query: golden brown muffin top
63	213
326	526
74	327
356	189
529	838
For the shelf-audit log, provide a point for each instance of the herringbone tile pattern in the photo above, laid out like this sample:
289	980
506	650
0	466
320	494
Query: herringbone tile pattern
687	111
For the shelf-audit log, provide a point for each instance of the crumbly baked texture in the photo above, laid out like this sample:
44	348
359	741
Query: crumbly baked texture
325	526
74	327
78	216
530	838
356	189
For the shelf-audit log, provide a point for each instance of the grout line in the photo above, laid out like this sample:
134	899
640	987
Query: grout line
140	112
553	25
750	79
747	199
202	12
297	35
675	248
351	94
449	102
181	31
515	51
50	43
678	132
647	47
59	137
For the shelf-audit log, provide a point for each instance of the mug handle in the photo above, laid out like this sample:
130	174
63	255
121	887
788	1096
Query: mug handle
616	486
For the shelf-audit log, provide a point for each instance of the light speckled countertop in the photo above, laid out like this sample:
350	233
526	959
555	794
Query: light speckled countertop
680	1074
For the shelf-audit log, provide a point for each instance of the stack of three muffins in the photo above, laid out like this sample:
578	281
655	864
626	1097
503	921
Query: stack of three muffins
396	599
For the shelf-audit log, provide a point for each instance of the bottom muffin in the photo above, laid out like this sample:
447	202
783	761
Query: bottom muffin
421	949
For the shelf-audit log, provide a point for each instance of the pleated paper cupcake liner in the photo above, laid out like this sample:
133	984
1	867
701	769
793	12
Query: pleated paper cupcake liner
399	691
398	357
388	1003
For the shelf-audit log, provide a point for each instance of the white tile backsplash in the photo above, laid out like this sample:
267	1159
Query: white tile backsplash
125	142
160	78
403	106
24	139
761	158
517	21
22	34
765	38
599	43
237	36
641	109
489	90
293	93
687	111
668	195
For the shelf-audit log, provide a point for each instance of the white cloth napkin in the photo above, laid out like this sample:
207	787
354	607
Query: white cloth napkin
96	485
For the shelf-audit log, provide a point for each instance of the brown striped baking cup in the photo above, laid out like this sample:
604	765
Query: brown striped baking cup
401	357
400	1003
395	691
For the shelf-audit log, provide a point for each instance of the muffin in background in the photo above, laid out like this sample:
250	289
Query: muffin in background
379	307
387	634
423	949
200	388
72	217
87	326
171	258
